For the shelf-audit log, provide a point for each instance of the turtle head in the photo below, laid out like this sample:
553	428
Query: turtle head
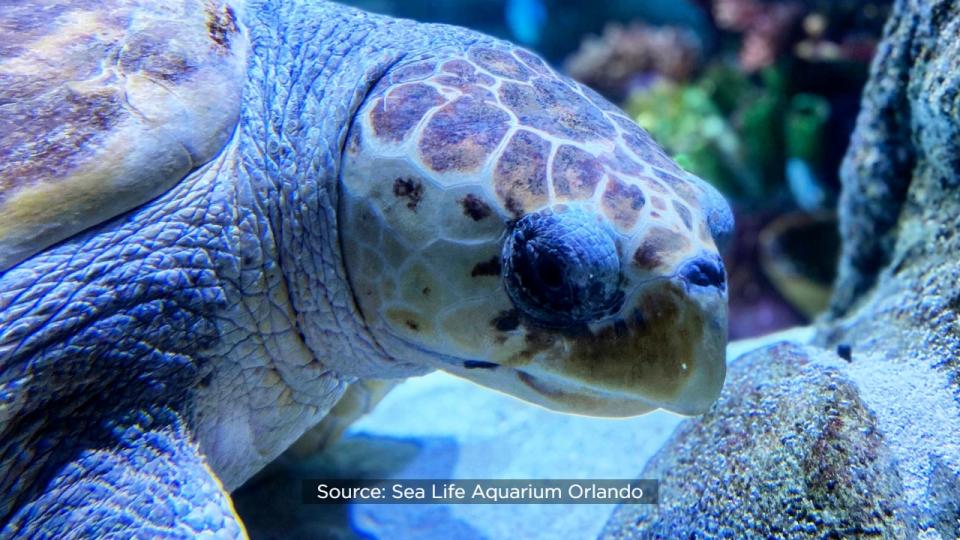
508	225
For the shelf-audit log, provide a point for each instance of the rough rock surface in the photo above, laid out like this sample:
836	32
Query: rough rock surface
789	450
896	308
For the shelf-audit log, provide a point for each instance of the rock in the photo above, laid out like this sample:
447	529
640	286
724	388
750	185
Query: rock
790	450
898	292
900	206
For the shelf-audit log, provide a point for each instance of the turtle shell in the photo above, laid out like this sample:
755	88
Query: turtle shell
105	105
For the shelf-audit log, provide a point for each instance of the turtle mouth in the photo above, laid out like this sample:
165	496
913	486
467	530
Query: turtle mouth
666	349
556	392
542	390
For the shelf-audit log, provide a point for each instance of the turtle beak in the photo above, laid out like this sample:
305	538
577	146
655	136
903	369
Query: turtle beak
666	350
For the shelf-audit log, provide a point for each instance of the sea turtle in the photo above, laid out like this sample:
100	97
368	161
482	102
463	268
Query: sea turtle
217	216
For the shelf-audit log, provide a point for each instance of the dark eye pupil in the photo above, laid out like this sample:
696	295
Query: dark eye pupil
551	272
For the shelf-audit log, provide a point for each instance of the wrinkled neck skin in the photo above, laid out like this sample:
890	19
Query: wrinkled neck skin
311	66
310	69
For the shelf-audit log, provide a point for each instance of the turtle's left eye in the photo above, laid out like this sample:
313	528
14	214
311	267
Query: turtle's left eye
562	268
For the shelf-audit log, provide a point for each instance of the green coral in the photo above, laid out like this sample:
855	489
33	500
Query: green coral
733	129
691	127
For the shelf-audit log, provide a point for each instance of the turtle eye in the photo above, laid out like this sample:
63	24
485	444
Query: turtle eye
562	268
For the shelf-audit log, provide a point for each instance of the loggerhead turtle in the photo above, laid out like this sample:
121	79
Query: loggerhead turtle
216	217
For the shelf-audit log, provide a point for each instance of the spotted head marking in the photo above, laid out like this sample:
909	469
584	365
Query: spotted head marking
508	225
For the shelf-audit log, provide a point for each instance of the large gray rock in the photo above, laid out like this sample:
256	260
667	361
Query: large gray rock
790	450
896	306
900	206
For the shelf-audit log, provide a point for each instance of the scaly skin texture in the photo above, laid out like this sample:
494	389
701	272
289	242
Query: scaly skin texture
224	300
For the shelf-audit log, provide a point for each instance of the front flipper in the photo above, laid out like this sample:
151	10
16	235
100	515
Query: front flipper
146	480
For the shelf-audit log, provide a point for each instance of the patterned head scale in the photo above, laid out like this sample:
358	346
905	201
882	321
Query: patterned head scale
508	225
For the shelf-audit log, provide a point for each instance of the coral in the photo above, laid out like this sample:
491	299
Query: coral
765	28
614	61
685	120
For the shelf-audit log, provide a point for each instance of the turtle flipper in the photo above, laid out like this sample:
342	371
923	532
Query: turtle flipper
147	479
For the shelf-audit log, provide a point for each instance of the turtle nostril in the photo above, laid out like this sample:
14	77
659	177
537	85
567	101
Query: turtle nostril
704	272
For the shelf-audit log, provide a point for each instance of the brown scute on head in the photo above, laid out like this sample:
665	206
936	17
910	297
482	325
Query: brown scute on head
657	243
640	143
622	203
653	185
685	215
396	113
682	187
463	76
533	62
705	234
671	323
474	207
499	63
602	103
575	173
221	25
550	105
410	189
506	321
520	178
658	203
485	80
619	161
462	134
490	267
459	67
